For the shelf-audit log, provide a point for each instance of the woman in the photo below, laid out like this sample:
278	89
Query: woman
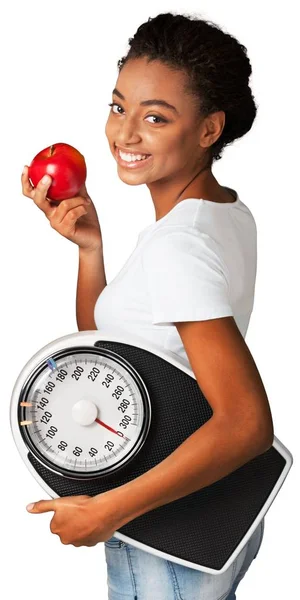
189	284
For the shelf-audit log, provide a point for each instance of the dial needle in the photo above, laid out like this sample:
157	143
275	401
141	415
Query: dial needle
110	428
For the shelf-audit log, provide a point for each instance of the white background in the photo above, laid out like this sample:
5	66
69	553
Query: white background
58	69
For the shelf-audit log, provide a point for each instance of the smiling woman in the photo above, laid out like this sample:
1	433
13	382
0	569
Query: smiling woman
181	97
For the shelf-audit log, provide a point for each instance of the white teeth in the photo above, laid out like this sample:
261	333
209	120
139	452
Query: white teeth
132	157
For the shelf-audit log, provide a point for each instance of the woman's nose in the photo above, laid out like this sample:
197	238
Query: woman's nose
128	132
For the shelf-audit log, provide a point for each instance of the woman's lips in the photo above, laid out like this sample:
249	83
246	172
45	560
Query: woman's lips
137	164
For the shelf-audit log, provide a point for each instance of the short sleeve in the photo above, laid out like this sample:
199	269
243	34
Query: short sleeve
186	277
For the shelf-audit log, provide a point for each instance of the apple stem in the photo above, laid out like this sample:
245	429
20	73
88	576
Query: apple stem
51	149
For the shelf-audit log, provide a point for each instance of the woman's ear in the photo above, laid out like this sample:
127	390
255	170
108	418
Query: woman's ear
211	128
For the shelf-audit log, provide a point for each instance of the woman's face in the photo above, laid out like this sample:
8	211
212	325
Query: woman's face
170	136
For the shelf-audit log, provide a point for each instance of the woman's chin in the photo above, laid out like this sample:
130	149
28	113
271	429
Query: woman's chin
131	177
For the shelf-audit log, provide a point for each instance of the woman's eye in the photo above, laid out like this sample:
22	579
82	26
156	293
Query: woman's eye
112	104
160	119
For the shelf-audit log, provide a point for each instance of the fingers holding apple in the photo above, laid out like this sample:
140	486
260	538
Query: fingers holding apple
64	215
77	220
74	217
27	188
64	218
38	194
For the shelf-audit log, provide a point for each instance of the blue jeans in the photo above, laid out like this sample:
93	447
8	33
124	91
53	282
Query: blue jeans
133	574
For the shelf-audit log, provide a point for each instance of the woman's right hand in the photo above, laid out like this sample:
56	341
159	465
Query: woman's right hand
74	218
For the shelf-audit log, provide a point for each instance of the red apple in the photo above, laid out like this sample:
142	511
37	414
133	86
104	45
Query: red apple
65	165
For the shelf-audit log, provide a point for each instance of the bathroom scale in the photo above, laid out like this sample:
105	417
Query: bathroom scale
90	412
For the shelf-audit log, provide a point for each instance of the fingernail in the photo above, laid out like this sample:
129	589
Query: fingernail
30	506
24	169
46	179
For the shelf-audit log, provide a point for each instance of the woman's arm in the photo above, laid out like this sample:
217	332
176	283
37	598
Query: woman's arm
91	282
240	428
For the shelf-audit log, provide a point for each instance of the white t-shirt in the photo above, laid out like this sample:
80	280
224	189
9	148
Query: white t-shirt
198	262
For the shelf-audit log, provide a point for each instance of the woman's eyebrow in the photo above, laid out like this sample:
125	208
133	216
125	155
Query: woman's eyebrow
148	102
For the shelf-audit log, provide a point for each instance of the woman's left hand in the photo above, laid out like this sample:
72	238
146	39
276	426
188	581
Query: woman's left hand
80	520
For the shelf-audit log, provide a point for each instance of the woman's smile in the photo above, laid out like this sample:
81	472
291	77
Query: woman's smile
126	159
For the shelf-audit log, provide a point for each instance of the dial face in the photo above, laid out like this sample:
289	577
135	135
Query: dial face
84	412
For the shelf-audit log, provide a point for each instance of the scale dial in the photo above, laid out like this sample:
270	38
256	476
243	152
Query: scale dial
84	412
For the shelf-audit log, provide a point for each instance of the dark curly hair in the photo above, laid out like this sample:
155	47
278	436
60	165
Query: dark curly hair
216	64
